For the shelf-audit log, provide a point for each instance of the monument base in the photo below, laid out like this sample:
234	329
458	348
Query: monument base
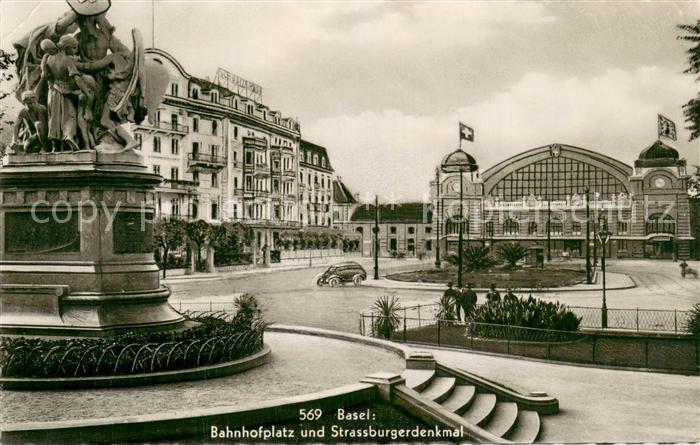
76	253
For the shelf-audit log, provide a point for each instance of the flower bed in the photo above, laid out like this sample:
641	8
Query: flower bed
521	278
217	338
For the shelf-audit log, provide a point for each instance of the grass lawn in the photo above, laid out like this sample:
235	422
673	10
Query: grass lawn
519	278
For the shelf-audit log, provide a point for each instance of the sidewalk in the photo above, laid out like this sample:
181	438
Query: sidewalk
614	281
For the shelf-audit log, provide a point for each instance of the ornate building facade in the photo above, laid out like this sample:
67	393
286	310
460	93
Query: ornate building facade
539	198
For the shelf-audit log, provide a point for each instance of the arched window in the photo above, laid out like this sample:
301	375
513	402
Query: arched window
511	227
556	227
452	226
532	228
661	223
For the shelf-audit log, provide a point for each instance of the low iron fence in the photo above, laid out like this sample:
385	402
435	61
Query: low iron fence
666	352
637	319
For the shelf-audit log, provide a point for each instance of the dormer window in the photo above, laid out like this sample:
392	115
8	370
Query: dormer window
214	96
173	89
249	109
195	93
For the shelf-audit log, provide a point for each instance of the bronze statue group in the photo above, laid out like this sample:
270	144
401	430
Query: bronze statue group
79	83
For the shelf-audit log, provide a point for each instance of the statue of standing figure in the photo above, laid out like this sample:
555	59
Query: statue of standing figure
89	82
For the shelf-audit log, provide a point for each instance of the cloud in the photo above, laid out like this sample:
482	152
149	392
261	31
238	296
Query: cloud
389	151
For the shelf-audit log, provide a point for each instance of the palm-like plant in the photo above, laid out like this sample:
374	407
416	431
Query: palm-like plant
246	307
387	310
477	258
445	310
691	110
692	325
512	253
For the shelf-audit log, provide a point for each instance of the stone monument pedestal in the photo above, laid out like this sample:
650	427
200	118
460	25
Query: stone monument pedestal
76	254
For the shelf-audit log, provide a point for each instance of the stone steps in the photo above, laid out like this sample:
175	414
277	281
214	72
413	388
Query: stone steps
476	405
481	409
439	389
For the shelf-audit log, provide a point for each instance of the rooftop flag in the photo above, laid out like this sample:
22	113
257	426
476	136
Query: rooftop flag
466	133
667	128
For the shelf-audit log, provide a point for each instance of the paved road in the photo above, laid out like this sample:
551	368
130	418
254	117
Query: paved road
291	296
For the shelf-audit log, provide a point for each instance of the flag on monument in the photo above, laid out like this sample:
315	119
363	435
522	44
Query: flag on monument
466	133
667	128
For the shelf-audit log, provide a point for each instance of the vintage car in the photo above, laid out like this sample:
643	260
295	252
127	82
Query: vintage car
345	272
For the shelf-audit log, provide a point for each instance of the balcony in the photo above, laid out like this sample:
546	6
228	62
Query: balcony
205	161
261	170
272	223
253	142
181	184
164	127
289	173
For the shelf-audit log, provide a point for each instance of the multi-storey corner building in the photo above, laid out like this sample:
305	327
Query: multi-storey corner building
316	177
223	154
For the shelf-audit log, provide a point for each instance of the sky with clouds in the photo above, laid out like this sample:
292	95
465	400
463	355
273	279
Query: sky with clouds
383	84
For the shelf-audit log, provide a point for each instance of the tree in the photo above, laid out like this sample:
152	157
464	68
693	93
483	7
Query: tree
691	110
512	253
197	232
168	236
7	62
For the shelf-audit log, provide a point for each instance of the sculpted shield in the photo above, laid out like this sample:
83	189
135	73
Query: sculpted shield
89	7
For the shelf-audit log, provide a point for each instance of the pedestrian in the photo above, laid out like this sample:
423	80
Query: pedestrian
509	297
493	296
684	268
470	299
449	297
461	303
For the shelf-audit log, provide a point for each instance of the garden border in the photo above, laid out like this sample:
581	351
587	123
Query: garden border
118	381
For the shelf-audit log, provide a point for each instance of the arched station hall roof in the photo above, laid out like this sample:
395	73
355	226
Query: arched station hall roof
556	170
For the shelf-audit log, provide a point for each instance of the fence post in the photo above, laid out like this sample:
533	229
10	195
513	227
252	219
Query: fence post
210	307
419	323
404	325
508	339
438	331
637	319
372	326
675	321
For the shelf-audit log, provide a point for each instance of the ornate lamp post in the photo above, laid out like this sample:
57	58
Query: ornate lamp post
588	239
604	237
438	218
460	162
375	230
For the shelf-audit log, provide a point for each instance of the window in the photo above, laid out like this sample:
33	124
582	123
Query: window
174	173
532	228
214	127
174	146
323	162
195	124
622	245
660	223
195	208
195	93
214	96
429	244
622	228
392	230
556	227
235	133
511	227
214	151
411	230
248	158
214	180
174	121
139	138
175	206
452	226
195	176
392	244
195	149
156	144
248	182
173	89
249	109
428	229
214	210
488	229
235	182
575	228
156	169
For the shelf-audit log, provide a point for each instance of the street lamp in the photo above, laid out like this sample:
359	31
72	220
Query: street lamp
437	217
375	230
604	237
460	162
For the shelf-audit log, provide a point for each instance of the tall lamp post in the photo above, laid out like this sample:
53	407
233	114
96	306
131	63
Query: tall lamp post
375	230
604	236
460	162
438	217
588	240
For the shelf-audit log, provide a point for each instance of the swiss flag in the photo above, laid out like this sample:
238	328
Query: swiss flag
466	133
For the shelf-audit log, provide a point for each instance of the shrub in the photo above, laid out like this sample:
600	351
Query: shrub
512	253
387	309
692	325
474	258
215	339
528	313
445	310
